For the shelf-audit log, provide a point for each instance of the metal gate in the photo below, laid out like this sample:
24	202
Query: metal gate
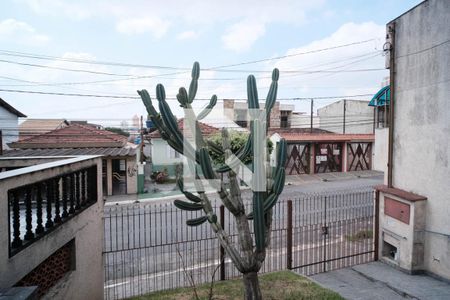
328	157
298	159
337	231
359	156
148	246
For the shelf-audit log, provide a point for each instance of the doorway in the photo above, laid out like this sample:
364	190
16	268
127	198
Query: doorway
119	176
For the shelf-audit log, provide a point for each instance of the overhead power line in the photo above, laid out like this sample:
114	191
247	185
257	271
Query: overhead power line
123	64
168	98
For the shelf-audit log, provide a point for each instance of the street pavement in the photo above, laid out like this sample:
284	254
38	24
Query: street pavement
296	185
377	280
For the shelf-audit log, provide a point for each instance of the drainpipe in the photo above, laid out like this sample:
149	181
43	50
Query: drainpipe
391	32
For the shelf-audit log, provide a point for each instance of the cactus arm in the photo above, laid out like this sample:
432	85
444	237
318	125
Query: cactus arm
205	112
182	97
272	94
252	93
194	82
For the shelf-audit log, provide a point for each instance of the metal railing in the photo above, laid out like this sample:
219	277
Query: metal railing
148	247
36	209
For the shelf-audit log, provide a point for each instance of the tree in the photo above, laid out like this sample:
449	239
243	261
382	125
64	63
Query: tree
237	142
266	185
118	131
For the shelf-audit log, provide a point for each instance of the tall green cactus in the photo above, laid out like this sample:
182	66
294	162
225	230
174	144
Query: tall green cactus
252	255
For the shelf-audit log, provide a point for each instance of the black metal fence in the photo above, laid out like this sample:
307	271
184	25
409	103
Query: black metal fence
148	247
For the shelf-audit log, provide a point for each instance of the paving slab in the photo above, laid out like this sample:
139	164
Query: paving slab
377	280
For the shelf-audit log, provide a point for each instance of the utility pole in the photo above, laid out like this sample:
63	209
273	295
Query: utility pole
1	143
345	109
141	146
312	108
391	32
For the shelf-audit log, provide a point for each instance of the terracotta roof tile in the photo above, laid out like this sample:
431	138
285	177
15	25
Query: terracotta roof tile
73	136
318	137
205	128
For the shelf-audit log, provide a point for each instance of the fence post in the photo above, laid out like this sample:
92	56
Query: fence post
289	235
376	225
222	250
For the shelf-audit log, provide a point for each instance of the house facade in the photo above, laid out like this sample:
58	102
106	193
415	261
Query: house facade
414	203
164	157
323	152
119	166
9	124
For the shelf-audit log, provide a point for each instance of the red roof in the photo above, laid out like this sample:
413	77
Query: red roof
205	128
326	137
73	136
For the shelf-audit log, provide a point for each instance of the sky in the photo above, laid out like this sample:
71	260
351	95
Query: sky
111	48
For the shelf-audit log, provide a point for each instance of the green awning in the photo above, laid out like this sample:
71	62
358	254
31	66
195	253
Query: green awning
382	97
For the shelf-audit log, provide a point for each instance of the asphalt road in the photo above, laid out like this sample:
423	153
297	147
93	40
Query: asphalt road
148	247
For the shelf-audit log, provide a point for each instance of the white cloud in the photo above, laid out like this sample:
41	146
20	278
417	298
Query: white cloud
142	16
187	35
72	9
21	32
155	26
241	36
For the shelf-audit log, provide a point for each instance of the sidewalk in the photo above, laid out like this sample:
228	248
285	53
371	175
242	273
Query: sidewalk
377	280
335	176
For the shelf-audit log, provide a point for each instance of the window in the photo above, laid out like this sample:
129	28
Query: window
284	119
382	116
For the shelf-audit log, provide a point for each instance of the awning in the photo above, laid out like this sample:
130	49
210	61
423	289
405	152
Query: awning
382	97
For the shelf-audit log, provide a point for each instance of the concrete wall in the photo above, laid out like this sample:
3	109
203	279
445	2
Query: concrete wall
86	281
132	175
304	121
9	125
421	160
380	150
358	117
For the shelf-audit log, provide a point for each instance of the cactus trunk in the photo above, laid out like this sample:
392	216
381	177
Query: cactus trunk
266	186
251	286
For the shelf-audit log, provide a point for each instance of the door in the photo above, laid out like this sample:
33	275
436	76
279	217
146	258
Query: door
298	159
359	156
328	157
119	174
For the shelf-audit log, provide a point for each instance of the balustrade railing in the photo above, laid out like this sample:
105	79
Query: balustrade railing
38	208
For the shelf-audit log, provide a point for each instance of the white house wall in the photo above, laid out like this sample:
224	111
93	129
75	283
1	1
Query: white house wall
9	125
358	117
421	160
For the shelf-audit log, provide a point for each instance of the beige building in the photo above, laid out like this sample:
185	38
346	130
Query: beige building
280	116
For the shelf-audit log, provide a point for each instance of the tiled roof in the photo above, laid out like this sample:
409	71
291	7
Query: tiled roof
295	130
205	128
32	127
11	109
124	151
326	137
73	136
